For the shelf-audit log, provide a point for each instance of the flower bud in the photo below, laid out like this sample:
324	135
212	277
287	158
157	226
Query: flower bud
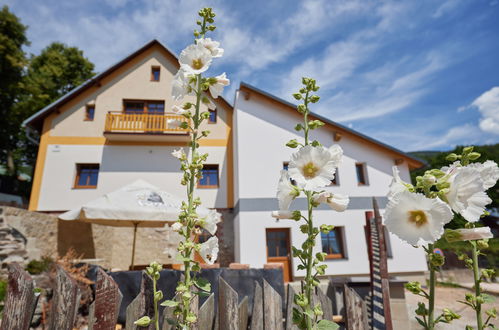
467	150
297	96
314	98
451	157
474	156
144	321
413	287
292	143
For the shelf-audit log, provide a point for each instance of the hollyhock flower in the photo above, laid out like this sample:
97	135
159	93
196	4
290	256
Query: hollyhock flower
286	192
180	85
212	46
210	222
397	185
174	123
195	59
337	202
314	167
217	88
470	234
283	214
176	226
489	172
415	218
179	110
209	250
209	103
179	153
466	194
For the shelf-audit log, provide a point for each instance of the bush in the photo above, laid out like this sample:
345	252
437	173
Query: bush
36	267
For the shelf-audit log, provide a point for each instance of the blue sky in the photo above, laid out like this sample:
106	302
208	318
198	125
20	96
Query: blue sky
418	75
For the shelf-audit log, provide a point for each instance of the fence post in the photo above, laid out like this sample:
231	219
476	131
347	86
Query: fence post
206	313
289	308
355	310
227	306
142	305
257	312
21	300
65	301
272	307
105	308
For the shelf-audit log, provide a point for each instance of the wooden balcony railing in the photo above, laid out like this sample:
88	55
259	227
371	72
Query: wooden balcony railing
119	122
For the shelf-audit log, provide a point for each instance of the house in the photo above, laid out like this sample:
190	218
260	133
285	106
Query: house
114	129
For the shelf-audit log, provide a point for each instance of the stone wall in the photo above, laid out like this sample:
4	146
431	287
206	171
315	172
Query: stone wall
110	247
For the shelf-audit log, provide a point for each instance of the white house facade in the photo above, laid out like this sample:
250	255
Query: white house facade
114	129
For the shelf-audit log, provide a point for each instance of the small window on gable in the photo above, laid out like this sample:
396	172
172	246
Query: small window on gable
210	177
87	176
332	244
155	73
361	170
89	112
213	117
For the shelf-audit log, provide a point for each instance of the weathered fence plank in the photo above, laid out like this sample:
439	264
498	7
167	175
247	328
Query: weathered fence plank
105	308
227	306
243	314
206	313
20	302
326	304
272	308
257	311
356	310
65	302
142	305
289	309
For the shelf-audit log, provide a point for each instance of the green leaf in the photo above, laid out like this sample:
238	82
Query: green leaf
169	303
202	293
202	284
487	298
421	322
327	325
144	321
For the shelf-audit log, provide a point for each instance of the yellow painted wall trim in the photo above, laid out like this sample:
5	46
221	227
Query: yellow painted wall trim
85	140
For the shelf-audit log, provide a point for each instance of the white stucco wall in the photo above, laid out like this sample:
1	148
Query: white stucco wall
262	131
121	165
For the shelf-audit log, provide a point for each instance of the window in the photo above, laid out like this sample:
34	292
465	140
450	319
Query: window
144	107
213	117
155	71
361	170
210	177
332	244
277	242
336	180
89	112
87	175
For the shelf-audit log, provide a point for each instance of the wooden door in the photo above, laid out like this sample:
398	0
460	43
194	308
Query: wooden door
279	250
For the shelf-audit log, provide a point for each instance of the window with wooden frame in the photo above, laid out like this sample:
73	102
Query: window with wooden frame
155	73
213	117
89	112
336	180
87	176
332	244
209	177
361	170
144	107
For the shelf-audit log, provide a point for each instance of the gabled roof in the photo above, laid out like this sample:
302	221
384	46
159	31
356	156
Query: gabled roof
412	161
36	120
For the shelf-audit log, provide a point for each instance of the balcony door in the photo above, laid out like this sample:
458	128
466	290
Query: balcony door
279	251
146	108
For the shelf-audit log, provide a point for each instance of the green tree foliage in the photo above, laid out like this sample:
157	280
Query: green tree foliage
12	63
436	159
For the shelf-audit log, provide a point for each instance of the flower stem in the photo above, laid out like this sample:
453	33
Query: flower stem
308	278
431	298
305	118
156	314
476	276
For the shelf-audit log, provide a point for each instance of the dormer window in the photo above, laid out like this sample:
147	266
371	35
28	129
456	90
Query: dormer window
155	73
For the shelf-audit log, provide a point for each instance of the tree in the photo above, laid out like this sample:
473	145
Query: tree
12	63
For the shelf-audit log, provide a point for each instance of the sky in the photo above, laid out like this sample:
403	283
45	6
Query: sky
417	75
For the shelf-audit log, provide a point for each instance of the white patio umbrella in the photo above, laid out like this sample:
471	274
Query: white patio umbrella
139	204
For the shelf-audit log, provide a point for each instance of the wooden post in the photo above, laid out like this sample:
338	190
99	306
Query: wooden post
257	311
243	314
326	304
227	306
65	302
289	309
135	225
20	302
105	308
142	305
355	310
272	308
206	313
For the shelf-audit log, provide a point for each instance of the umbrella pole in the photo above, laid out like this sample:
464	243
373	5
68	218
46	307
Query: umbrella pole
135	224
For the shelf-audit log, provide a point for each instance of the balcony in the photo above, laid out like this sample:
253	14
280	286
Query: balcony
144	127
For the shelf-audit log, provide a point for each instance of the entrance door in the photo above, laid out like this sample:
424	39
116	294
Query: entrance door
278	250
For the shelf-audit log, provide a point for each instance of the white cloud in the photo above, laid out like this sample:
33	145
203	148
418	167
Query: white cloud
488	105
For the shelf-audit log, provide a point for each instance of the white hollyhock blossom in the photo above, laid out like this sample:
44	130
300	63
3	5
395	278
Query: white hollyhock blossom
195	59
397	185
286	192
179	110
466	194
337	202
210	222
415	218
209	250
180	85
174	123
212	46
314	167
282	214
489	172
472	234
209	103
217	88
176	226
179	153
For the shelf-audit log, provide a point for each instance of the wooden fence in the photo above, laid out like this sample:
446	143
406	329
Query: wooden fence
269	310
